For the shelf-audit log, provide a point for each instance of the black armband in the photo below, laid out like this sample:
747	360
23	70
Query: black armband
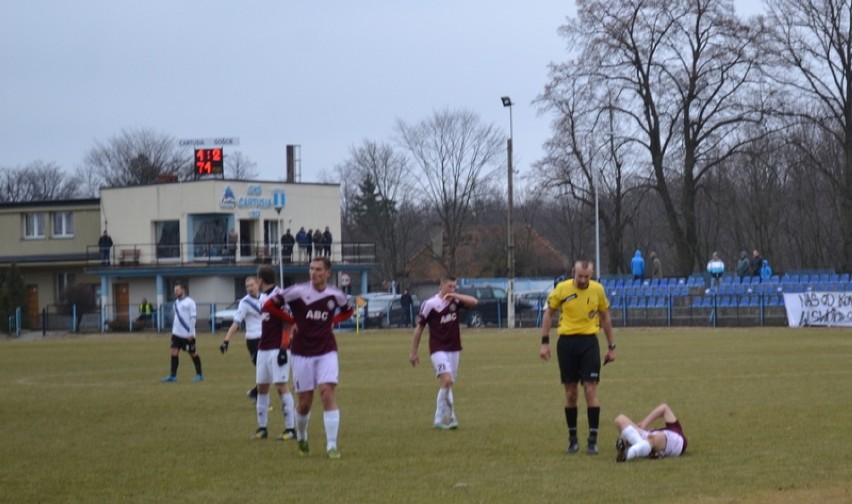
545	340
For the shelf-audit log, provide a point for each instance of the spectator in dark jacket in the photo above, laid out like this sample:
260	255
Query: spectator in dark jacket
287	242
756	263
743	265
326	241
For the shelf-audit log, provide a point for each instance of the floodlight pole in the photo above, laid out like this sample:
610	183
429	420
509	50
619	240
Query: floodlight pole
510	288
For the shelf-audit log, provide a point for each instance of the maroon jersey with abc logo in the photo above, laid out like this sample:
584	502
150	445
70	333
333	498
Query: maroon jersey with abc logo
313	312
442	316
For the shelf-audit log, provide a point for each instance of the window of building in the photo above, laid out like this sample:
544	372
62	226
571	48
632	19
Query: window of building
34	225
167	235
63	224
63	281
209	234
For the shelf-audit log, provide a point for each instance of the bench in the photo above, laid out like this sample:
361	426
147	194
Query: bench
128	257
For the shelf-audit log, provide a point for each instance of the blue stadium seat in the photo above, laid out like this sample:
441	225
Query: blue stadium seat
844	277
775	279
615	302
696	301
725	301
745	280
824	278
804	279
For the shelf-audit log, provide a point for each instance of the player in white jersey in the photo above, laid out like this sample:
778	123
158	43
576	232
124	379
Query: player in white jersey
183	333
248	311
315	364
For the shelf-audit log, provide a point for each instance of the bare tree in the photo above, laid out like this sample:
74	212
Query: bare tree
38	181
137	157
813	44
687	80
238	166
590	155
454	152
379	203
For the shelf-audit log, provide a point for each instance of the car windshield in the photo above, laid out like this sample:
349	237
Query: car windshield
379	304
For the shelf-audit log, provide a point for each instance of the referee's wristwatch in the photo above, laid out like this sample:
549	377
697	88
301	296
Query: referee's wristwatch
611	346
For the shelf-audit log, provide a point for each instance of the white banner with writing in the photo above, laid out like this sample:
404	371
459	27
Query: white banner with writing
819	309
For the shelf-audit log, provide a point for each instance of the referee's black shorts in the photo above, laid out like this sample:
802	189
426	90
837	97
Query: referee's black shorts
579	358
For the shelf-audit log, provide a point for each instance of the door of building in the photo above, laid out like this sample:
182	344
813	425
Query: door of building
31	317
246	237
122	303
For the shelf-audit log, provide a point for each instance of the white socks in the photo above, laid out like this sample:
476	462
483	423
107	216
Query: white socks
302	425
331	419
288	409
262	410
444	405
639	447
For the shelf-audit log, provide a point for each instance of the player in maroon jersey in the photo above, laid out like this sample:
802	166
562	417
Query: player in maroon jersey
441	313
316	307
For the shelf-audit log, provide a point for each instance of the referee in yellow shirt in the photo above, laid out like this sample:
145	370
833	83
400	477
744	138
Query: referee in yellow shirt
583	308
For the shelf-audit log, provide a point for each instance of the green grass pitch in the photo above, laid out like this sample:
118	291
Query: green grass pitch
767	413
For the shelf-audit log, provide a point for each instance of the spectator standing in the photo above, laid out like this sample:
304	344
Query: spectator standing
765	271
756	263
656	267
183	333
327	240
287	242
582	309
301	240
309	243
715	268
319	243
637	266
233	239
743	265
105	246
406	302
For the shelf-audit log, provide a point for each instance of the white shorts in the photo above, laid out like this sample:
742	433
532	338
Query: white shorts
446	362
308	372
268	371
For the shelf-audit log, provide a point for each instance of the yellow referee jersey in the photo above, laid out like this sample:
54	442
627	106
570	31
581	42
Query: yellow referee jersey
578	308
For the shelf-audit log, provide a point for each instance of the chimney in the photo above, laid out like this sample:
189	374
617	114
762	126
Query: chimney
292	154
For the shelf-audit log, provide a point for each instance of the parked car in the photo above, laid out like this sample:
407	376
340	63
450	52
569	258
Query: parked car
224	318
492	307
386	311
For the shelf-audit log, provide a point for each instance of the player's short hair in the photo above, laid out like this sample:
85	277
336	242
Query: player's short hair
326	262
584	263
448	278
266	274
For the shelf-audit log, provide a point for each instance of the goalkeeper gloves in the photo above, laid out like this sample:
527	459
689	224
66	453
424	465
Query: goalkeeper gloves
224	346
282	356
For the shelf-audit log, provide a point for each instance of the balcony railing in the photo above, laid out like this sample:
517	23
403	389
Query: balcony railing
151	254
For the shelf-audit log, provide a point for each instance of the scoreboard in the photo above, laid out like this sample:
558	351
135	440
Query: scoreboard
209	162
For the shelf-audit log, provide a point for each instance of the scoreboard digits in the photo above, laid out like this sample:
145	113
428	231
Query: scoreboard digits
209	161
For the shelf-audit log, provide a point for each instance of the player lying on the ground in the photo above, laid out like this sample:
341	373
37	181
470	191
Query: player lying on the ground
636	440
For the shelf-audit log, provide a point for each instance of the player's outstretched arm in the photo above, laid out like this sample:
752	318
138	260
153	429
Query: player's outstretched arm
662	411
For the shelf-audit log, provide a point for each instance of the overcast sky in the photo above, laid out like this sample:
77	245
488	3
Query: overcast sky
321	74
